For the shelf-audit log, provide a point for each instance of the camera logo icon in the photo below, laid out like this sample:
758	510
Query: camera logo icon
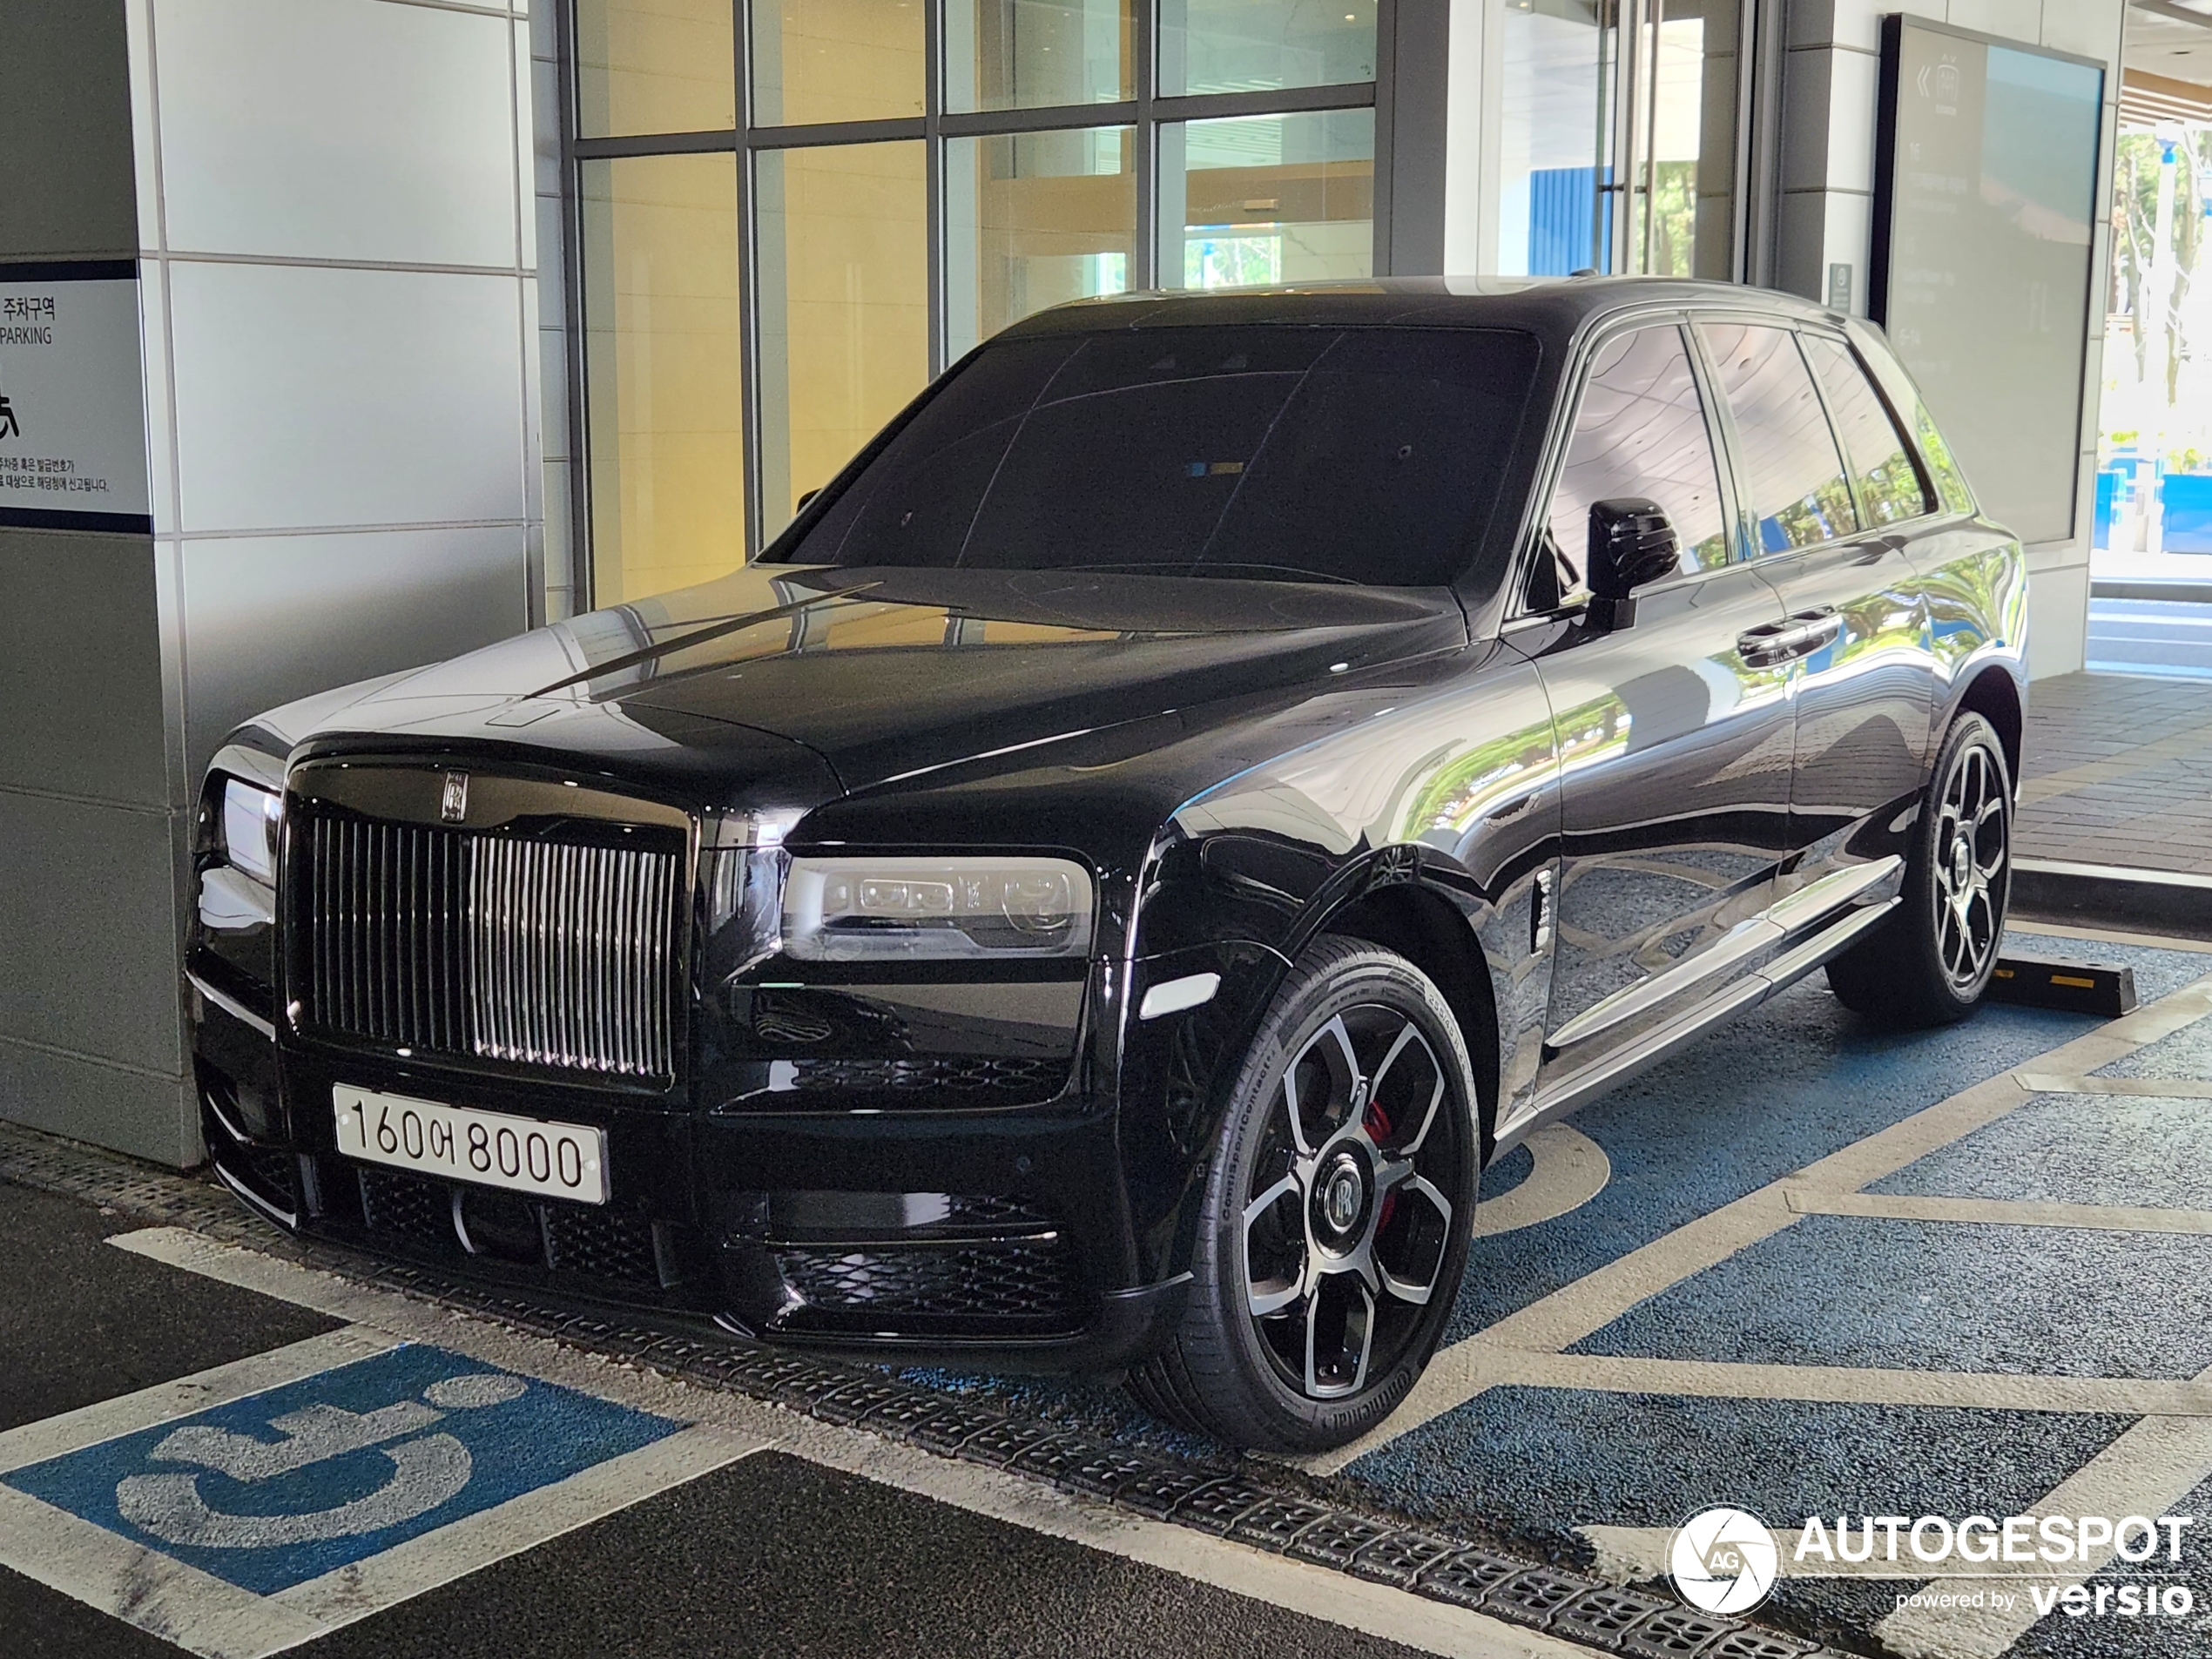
1725	1560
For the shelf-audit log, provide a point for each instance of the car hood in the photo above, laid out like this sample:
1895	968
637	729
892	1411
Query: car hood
885	674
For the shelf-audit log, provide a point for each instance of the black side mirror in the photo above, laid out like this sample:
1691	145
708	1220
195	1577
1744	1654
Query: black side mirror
800	506
1631	546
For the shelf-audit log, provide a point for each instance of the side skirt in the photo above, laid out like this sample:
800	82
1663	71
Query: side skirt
1578	1088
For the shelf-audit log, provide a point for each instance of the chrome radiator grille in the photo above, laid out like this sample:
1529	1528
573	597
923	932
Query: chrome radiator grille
527	952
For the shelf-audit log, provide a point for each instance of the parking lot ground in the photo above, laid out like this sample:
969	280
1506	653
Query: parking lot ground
215	1451
1806	1268
2119	767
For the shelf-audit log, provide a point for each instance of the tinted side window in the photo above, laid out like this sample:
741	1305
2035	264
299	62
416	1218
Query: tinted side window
1639	431
1790	464
1889	484
1943	467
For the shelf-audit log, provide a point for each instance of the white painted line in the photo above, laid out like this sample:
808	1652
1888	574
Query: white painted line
194	1610
1569	1169
1317	1592
521	1523
2146	1471
2097	935
2047	1082
2133	873
1999	1212
1564	1317
306	1287
127	1414
1844	1385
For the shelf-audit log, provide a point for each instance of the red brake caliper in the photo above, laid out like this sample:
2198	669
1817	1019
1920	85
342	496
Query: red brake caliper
1377	1123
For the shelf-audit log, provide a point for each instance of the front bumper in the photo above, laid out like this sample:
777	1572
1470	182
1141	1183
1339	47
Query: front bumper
998	1238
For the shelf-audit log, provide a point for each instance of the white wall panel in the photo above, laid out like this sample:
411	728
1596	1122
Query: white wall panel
93	934
2013	19
2088	27
274	617
336	130
309	397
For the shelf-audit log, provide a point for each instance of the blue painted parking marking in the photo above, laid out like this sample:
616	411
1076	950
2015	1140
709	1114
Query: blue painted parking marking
1822	1267
279	1487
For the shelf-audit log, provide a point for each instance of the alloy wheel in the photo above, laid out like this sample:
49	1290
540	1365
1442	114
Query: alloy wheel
1972	842
1345	1239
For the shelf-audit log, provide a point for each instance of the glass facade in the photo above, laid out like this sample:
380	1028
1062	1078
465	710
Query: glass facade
843	258
1617	137
664	392
765	279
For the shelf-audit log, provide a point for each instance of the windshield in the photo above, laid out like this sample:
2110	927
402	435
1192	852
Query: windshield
1369	455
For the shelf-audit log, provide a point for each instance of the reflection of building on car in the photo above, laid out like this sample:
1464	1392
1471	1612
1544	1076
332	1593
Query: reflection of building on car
1210	776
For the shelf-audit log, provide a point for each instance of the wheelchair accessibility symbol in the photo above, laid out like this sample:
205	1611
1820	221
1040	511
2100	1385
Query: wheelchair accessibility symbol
279	1487
426	1472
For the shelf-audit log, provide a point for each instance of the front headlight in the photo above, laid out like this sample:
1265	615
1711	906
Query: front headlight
923	909
252	816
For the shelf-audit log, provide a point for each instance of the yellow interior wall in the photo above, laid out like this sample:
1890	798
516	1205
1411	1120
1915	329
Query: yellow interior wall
654	66
837	60
857	283
665	393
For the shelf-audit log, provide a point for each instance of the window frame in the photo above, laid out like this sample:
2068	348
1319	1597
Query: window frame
1931	501
1147	111
1568	410
1747	510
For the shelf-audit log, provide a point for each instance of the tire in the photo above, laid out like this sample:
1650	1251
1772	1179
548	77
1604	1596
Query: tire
1930	963
1313	1311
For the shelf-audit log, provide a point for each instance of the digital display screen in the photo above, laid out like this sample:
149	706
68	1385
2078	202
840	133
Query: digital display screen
1984	214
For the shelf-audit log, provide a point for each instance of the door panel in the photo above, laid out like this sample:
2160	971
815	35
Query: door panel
1676	755
1674	748
1825	472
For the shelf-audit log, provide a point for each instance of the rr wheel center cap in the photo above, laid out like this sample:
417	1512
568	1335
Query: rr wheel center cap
1962	862
1340	1198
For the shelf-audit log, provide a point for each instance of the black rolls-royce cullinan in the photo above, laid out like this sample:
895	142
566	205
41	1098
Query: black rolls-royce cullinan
1092	895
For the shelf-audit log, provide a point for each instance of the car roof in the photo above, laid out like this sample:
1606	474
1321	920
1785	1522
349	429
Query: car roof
1557	308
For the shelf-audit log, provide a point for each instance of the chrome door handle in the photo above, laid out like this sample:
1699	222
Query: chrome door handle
1800	635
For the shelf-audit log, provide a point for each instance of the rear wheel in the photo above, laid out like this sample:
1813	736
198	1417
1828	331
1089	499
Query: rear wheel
1337	1211
1930	962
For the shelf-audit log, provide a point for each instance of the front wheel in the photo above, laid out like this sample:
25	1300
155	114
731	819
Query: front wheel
1930	962
1337	1211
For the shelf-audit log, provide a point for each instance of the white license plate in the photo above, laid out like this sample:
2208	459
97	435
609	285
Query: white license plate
491	1149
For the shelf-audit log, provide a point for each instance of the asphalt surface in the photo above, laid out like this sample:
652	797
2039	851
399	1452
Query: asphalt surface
80	1322
768	1556
773	1552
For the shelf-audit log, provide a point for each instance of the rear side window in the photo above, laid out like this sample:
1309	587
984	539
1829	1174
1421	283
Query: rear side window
1790	464
1889	484
1368	456
1943	467
1641	430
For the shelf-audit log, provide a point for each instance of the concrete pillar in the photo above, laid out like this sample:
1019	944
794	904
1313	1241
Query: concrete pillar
1823	219
331	212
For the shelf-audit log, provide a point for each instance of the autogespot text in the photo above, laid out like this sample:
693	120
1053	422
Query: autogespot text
1998	1548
